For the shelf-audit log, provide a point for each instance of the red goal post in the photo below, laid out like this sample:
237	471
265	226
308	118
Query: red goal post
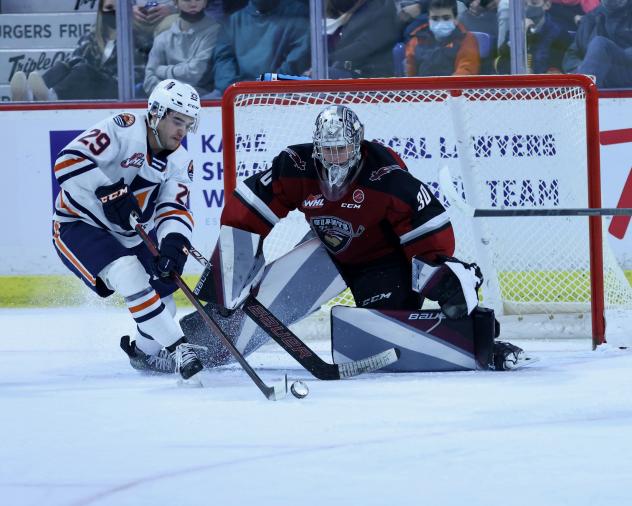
501	134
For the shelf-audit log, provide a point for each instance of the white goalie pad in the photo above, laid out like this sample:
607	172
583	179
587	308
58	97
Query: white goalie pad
428	341
292	287
236	267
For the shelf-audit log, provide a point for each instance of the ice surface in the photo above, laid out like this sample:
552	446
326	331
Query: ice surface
80	427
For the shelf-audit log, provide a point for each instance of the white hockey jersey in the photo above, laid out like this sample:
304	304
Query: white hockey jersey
117	148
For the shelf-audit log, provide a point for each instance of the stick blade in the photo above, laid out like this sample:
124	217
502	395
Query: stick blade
277	392
369	364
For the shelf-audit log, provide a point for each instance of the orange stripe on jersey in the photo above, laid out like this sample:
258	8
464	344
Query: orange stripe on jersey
63	204
68	163
175	211
146	304
141	197
72	259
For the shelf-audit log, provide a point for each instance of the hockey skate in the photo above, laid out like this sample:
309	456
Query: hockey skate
508	356
162	363
186	360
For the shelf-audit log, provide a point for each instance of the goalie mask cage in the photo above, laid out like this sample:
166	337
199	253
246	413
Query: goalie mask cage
509	142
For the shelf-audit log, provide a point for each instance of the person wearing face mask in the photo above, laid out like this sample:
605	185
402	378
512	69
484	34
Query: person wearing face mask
442	47
89	73
547	41
264	36
603	45
183	51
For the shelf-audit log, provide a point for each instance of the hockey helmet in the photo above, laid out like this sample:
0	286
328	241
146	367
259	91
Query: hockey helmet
173	95
338	135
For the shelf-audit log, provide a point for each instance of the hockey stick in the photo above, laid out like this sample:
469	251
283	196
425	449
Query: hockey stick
448	189
298	350
271	393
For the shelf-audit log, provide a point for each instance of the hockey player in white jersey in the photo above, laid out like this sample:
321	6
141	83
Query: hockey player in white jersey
129	164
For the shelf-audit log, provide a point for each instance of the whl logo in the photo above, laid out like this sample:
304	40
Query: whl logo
619	224
136	160
314	202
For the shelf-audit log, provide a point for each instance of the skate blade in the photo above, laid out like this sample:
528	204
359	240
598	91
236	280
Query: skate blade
525	361
195	381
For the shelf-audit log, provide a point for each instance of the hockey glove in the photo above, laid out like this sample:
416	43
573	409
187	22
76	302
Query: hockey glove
173	252
118	203
452	283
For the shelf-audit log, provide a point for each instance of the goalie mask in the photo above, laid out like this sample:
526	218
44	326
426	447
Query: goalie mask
338	135
172	95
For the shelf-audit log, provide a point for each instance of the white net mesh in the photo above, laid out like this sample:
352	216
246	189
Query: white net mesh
506	148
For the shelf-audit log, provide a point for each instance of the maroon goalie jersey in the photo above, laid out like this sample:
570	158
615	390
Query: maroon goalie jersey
386	209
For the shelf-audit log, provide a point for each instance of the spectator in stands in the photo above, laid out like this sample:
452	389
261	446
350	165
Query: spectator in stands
151	17
546	41
442	46
264	36
361	36
603	45
183	51
407	10
568	13
91	71
481	16
565	13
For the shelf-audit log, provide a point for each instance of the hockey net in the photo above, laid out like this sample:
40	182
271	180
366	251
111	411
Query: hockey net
509	142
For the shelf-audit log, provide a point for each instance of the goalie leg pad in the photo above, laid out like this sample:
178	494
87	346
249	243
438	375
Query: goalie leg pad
215	352
428	340
235	268
292	287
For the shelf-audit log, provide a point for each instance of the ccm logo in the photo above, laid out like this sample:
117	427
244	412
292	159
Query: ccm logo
426	316
114	195
375	298
350	206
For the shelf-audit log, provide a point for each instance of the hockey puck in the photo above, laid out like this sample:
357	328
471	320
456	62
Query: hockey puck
299	389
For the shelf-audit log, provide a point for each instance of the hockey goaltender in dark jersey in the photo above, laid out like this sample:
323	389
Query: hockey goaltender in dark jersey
387	235
386	216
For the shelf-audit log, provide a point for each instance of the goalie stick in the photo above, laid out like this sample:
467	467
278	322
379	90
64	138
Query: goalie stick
298	350
448	189
271	393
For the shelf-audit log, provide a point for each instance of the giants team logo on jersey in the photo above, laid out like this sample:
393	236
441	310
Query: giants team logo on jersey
136	160
314	202
124	120
336	234
376	175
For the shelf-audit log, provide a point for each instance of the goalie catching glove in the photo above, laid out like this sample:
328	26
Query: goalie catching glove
451	283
